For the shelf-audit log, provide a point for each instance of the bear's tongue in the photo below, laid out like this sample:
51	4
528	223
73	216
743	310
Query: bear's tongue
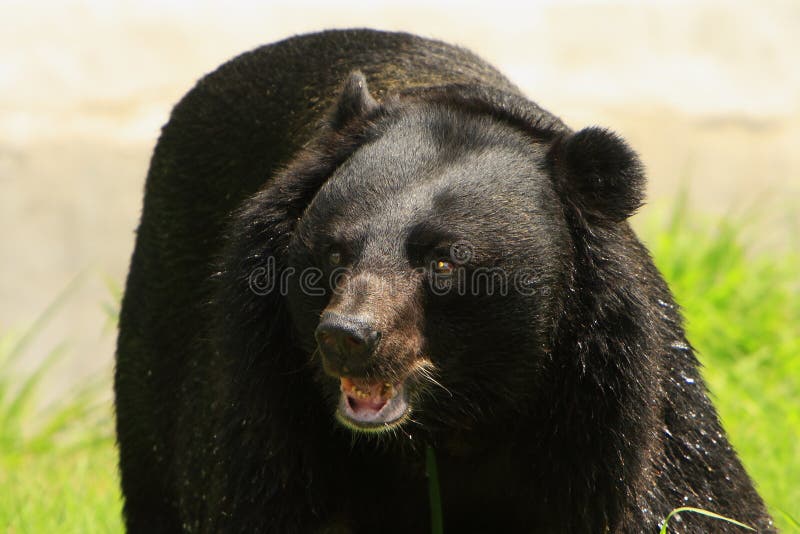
365	396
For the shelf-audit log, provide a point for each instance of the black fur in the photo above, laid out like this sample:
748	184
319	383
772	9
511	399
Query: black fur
568	402
597	170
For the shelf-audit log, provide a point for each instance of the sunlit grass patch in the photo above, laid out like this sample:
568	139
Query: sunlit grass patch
57	462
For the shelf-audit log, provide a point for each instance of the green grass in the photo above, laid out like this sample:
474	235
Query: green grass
58	463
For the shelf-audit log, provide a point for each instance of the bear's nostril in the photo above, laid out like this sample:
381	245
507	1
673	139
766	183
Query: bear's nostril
353	341
325	339
345	343
346	340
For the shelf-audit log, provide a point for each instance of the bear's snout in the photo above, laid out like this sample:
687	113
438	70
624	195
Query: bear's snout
346	342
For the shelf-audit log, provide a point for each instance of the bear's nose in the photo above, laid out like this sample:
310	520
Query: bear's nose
346	342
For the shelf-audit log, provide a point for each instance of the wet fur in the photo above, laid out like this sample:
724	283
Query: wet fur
223	414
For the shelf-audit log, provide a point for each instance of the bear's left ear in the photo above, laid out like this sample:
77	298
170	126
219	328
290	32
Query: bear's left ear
598	171
354	100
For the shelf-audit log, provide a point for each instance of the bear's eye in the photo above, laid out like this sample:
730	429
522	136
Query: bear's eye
443	267
334	257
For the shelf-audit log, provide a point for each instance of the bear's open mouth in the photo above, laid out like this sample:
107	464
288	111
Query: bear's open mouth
371	405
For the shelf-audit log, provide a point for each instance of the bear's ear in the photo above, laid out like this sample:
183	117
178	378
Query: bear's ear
598	171
354	100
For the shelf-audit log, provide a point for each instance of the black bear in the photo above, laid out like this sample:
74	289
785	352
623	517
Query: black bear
359	247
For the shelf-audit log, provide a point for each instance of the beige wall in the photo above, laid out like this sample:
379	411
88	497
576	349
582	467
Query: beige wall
707	92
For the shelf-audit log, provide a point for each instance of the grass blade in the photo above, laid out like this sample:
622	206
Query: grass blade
434	492
12	412
701	512
41	321
790	519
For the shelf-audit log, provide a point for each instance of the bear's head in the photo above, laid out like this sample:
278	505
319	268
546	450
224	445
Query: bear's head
424	248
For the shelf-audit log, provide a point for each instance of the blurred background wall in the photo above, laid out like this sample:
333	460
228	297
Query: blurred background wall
707	92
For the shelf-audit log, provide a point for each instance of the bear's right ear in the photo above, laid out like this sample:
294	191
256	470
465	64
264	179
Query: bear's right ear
595	169
354	100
